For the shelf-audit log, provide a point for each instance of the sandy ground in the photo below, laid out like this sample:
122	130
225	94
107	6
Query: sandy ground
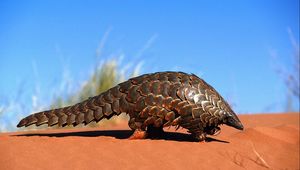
268	141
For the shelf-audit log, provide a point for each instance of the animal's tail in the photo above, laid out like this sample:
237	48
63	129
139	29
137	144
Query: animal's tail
92	109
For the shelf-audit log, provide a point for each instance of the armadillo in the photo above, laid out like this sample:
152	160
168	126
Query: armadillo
152	101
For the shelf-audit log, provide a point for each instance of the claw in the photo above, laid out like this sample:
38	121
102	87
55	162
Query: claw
167	124
217	131
214	131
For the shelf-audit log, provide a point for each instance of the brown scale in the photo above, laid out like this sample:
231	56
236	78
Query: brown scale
133	94
164	86
152	101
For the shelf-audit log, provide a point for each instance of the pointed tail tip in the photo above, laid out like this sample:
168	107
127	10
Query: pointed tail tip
21	123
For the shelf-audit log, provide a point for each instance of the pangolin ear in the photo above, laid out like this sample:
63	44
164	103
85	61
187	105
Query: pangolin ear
233	121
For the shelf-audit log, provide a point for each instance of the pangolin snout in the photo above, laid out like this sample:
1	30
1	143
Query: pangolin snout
239	126
233	121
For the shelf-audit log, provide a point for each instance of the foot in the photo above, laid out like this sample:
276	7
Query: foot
215	131
138	134
200	137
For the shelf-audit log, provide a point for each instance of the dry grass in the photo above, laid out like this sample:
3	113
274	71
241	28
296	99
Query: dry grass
238	160
241	160
259	159
289	73
106	74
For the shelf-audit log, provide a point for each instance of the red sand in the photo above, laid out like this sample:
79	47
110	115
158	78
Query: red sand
268	141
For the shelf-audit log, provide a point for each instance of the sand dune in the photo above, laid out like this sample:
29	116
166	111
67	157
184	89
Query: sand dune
268	141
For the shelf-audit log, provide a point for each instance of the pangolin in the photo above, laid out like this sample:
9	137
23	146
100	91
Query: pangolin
153	101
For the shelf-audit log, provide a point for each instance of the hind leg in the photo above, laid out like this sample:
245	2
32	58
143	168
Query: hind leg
151	118
151	132
138	134
155	132
139	131
152	127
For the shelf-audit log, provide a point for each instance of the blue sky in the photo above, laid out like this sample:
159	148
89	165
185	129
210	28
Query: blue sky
228	43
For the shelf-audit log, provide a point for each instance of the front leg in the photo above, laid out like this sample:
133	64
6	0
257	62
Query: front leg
199	136
214	131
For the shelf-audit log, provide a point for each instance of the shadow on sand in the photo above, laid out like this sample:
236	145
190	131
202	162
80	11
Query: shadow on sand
124	134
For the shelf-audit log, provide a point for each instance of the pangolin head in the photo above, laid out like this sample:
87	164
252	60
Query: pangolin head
208	97
232	120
